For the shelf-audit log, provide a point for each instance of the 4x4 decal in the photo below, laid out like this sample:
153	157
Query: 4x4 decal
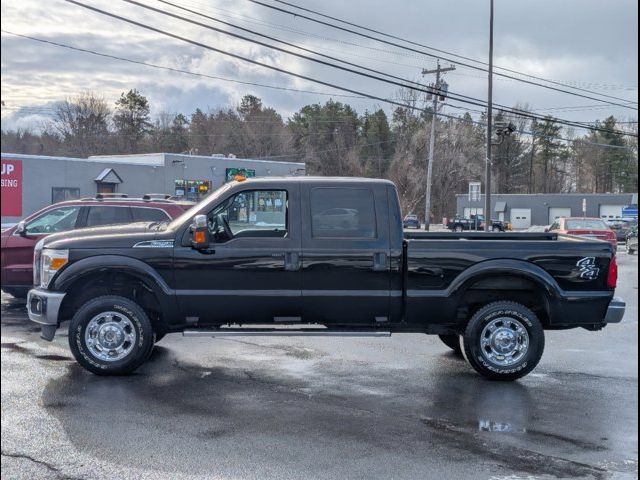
588	268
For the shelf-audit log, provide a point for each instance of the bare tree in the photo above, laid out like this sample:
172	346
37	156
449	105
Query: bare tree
82	122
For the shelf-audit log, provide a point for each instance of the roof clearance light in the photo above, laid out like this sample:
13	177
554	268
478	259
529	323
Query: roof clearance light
240	178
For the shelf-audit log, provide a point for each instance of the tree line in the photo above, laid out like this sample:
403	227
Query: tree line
334	139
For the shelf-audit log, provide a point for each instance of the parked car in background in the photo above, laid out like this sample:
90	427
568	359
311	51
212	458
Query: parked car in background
411	221
18	241
632	240
476	222
585	227
621	226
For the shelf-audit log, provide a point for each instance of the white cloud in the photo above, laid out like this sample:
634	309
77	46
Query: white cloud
590	42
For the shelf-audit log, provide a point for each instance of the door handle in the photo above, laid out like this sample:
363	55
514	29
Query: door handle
380	262
291	261
207	251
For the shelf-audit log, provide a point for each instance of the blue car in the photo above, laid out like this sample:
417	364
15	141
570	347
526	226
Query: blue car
411	221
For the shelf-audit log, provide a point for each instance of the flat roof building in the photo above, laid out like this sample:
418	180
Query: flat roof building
526	210
30	182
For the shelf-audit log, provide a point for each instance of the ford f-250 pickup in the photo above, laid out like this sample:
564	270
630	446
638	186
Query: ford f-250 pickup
316	256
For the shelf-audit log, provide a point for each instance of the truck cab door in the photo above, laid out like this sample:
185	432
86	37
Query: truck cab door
251	271
345	254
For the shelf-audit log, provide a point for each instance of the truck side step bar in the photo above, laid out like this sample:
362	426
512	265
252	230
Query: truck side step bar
310	332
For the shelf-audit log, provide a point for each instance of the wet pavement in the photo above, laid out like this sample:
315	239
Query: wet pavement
329	408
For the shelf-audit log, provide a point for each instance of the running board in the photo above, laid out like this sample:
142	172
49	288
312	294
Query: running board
282	333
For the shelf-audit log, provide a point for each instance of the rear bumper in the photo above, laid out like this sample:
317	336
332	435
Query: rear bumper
615	311
43	307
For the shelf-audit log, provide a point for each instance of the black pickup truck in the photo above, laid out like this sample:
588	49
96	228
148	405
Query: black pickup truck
316	256
476	222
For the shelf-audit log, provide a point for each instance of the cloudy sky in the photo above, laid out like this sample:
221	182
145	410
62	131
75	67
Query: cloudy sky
590	44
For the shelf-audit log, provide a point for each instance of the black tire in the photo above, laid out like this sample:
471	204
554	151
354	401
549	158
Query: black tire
519	315
496	229
453	342
140	348
458	228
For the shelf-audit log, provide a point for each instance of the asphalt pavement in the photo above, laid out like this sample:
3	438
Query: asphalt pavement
404	407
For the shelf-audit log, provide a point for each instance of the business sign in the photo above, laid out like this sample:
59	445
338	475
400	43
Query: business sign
474	191
11	184
232	173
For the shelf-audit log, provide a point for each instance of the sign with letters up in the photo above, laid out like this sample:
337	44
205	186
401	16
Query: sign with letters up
11	185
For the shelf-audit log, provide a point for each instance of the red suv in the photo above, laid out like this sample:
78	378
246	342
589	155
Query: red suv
19	240
585	227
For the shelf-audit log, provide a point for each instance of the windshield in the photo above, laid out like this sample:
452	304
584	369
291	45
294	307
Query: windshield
586	224
193	210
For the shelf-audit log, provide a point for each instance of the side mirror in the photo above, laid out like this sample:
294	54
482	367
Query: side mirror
21	229
200	233
547	230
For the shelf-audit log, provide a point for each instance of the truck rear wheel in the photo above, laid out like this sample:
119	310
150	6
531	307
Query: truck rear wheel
110	335
453	342
503	341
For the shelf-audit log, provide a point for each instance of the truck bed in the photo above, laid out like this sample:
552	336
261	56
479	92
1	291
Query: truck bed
480	236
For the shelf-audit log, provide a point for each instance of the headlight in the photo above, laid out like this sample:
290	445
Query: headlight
50	262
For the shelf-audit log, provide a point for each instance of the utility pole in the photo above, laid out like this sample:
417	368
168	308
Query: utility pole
437	92
487	173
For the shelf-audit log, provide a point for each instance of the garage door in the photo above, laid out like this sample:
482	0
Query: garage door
520	218
609	212
557	212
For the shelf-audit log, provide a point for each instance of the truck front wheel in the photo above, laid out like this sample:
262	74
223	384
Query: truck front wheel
503	341
110	335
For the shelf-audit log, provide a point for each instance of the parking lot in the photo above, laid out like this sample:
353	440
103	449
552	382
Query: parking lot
329	408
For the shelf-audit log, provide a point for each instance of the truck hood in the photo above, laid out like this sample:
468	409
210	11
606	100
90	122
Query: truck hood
113	236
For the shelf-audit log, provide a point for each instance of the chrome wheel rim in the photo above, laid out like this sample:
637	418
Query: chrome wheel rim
110	336
504	341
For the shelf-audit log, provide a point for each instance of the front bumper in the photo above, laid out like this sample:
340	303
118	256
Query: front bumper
615	311
43	307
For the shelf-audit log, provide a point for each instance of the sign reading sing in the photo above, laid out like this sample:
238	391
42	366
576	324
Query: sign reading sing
11	185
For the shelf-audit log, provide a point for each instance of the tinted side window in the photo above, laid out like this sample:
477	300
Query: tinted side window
149	215
343	212
107	215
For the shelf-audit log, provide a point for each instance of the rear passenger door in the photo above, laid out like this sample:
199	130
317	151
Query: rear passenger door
345	254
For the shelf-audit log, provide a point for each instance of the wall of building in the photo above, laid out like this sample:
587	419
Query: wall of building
540	204
140	174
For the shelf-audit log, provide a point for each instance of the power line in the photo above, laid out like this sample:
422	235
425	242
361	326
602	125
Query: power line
178	70
271	67
429	48
462	98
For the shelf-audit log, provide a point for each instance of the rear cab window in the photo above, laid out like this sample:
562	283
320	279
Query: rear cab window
586	224
343	213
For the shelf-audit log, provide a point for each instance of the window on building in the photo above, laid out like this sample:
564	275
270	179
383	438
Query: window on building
55	220
61	194
343	212
141	214
255	213
108	215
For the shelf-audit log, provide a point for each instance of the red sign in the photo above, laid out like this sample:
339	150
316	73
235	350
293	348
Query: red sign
11	183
